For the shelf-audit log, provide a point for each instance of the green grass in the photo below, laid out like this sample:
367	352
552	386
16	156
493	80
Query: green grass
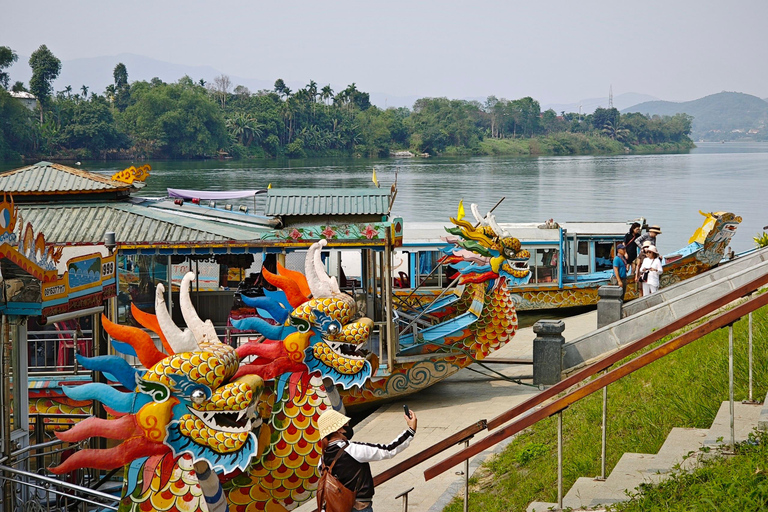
684	389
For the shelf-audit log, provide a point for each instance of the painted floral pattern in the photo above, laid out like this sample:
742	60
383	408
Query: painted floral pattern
375	231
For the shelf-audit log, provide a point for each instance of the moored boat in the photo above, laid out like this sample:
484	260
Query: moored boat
568	261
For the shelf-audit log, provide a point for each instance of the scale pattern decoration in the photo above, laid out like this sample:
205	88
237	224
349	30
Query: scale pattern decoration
207	427
488	260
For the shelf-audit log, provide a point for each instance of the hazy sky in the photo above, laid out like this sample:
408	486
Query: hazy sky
555	51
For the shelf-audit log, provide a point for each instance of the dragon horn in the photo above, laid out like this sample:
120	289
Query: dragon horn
318	280
203	331
495	227
476	213
179	341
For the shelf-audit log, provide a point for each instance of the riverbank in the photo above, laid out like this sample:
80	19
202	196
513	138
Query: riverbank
684	390
561	144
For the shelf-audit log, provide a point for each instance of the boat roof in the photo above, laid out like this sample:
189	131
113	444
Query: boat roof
328	201
431	233
46	178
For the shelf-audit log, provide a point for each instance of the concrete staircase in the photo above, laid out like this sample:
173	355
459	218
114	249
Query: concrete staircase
681	449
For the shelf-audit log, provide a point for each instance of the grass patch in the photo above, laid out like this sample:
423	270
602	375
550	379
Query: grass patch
684	389
733	483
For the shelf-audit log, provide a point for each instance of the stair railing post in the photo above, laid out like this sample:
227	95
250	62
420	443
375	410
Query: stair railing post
730	385
403	495
560	459
466	480
750	357
605	433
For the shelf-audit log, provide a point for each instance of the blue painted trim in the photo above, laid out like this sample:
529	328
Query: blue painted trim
560	260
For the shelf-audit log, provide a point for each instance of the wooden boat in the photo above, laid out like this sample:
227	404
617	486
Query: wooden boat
568	261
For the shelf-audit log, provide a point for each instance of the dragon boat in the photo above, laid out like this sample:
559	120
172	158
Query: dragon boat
568	261
202	425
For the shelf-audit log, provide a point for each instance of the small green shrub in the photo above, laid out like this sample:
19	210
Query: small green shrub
530	452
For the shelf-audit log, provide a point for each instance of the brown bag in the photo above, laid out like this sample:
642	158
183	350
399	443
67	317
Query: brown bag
332	495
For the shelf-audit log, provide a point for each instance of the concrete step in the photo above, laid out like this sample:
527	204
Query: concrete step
681	447
630	471
746	417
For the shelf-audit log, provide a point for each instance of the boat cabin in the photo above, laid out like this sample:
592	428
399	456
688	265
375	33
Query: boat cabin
561	253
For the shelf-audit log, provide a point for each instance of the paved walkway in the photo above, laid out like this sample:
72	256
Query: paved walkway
444	409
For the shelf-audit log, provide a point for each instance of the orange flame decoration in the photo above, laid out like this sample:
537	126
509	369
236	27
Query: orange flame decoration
8	215
132	174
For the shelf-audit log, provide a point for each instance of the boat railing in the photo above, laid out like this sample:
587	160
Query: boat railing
54	352
27	484
25	491
585	382
412	326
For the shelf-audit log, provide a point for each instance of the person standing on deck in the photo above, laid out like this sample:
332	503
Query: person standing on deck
629	242
650	270
650	236
620	268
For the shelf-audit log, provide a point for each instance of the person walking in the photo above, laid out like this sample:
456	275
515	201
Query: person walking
650	271
620	268
349	461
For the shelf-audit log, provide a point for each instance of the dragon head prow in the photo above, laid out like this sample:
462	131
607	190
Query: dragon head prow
321	332
494	252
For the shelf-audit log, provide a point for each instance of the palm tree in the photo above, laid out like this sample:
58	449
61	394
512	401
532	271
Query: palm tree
326	93
616	132
244	128
68	90
85	91
312	90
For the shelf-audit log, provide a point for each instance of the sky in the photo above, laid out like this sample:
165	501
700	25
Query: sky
553	50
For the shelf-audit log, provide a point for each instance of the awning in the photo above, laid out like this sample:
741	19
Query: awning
210	194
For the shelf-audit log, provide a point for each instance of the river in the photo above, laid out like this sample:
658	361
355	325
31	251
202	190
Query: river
668	190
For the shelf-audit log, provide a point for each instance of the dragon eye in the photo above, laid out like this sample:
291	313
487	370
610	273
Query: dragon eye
333	329
198	396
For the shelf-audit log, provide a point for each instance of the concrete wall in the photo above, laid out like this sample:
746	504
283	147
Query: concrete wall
678	289
629	329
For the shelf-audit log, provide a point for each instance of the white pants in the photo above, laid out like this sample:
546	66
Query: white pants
649	289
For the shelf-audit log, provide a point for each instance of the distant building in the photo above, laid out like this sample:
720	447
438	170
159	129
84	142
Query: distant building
27	98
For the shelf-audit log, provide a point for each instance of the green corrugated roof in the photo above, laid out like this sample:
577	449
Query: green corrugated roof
331	201
48	178
132	223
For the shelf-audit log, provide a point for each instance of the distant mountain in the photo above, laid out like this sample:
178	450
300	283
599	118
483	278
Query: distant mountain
589	105
721	116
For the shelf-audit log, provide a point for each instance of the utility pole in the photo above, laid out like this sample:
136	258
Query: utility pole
610	96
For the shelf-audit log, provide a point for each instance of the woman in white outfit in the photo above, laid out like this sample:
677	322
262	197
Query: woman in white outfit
651	269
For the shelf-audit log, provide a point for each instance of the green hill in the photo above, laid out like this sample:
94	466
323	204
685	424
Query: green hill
722	116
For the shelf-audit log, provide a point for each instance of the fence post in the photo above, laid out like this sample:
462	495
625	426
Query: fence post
750	358
605	433
466	480
609	305
560	459
548	352
730	385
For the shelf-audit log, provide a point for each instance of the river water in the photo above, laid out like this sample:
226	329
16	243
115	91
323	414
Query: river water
668	190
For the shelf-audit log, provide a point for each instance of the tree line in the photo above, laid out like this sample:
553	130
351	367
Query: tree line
194	119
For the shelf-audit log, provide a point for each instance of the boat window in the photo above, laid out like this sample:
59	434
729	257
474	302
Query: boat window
582	259
427	262
543	265
604	256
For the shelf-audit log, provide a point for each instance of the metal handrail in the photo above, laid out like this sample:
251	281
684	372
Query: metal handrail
627	350
723	320
52	482
577	377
